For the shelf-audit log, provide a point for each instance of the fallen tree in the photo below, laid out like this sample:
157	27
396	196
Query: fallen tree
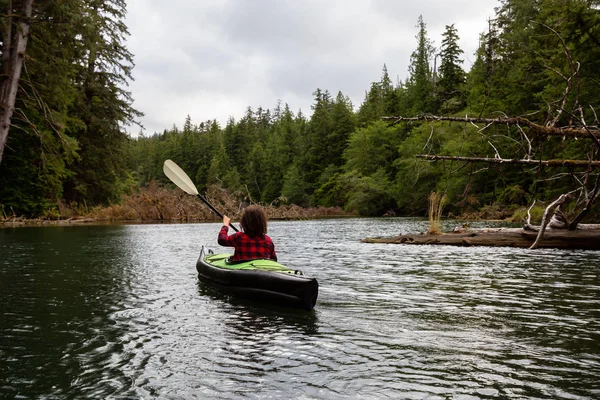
526	161
587	237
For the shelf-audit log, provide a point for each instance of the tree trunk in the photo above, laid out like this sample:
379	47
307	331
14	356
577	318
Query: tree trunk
15	43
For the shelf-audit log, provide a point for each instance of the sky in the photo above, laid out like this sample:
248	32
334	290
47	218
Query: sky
212	59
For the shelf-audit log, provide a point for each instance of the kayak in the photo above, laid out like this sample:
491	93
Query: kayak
264	280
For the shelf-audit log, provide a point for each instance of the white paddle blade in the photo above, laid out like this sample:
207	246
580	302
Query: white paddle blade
179	177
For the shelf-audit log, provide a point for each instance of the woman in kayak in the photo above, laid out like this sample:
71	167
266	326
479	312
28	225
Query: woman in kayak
253	243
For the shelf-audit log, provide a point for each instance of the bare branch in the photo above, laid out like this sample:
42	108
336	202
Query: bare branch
495	149
584	132
528	225
428	139
545	163
595	115
529	148
555	203
588	204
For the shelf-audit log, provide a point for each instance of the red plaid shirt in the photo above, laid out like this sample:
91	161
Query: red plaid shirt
246	247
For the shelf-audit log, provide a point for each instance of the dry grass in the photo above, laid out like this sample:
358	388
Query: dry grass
436	205
156	202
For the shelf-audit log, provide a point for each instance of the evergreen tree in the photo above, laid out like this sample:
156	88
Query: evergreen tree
342	126
382	99
420	82
102	103
451	75
392	96
280	152
373	107
238	139
209	142
321	125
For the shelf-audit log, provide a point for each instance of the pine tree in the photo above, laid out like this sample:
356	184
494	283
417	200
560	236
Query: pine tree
342	126
279	152
321	125
382	99
392	96
102	103
420	83
451	75
373	107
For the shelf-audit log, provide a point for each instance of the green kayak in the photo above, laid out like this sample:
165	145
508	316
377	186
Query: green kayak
264	280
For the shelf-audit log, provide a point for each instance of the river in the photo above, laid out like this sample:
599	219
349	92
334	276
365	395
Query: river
117	311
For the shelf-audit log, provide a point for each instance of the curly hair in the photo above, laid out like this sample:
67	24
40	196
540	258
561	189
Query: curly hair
254	221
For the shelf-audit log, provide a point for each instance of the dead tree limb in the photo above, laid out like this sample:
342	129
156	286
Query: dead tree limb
545	163
528	226
587	132
555	203
588	205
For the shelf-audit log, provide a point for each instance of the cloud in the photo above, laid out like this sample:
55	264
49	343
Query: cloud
211	60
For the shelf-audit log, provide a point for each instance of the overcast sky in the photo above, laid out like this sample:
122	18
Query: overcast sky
211	59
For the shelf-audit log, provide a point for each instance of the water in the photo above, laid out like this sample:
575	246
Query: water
117	312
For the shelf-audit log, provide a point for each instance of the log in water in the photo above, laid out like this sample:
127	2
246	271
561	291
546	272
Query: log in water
587	239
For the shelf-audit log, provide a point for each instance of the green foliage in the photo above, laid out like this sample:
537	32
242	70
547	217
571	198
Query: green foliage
366	195
335	191
295	186
371	195
221	171
371	148
513	194
536	214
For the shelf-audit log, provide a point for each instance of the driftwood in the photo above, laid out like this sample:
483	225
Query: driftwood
586	237
557	203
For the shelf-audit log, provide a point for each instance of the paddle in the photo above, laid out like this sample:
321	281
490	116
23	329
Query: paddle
180	178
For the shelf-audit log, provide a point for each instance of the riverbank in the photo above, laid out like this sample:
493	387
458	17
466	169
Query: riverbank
156	203
273	213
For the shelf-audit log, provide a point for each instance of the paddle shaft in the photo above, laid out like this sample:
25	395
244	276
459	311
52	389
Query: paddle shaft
214	210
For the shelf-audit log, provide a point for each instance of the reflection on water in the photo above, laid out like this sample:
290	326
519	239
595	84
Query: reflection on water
117	311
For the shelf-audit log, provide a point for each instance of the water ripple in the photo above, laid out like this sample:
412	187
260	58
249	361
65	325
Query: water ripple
118	312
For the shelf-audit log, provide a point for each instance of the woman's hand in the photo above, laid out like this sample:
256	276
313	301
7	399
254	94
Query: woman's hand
226	220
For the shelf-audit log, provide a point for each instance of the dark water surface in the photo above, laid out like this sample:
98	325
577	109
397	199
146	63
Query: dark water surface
118	312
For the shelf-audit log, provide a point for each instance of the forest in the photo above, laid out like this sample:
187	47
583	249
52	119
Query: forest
520	126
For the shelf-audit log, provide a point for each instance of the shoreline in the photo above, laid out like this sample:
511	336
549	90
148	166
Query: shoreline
23	222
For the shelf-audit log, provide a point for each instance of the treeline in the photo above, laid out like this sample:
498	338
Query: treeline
537	59
351	158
